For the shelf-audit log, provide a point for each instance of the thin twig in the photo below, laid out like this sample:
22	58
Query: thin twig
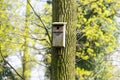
39	17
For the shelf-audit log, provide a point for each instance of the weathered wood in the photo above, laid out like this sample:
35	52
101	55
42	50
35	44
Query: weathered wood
59	29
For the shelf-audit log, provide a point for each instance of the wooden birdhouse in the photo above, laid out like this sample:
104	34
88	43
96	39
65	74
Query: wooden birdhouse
58	32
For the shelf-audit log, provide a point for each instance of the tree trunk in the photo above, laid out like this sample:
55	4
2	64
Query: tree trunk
26	57
63	59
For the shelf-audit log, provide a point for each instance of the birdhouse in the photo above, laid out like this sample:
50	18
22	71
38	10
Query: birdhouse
58	31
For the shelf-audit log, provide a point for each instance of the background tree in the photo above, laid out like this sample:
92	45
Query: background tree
26	55
97	37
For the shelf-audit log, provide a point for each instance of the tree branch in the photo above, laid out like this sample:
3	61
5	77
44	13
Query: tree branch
10	65
39	17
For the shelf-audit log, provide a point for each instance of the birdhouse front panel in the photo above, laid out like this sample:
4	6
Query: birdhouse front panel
58	38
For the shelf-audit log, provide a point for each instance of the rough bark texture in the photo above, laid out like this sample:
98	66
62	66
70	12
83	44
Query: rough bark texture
63	59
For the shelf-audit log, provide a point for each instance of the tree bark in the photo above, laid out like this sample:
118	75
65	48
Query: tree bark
63	59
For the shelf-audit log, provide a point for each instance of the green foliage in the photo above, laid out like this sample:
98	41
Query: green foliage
6	72
5	38
96	33
12	38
